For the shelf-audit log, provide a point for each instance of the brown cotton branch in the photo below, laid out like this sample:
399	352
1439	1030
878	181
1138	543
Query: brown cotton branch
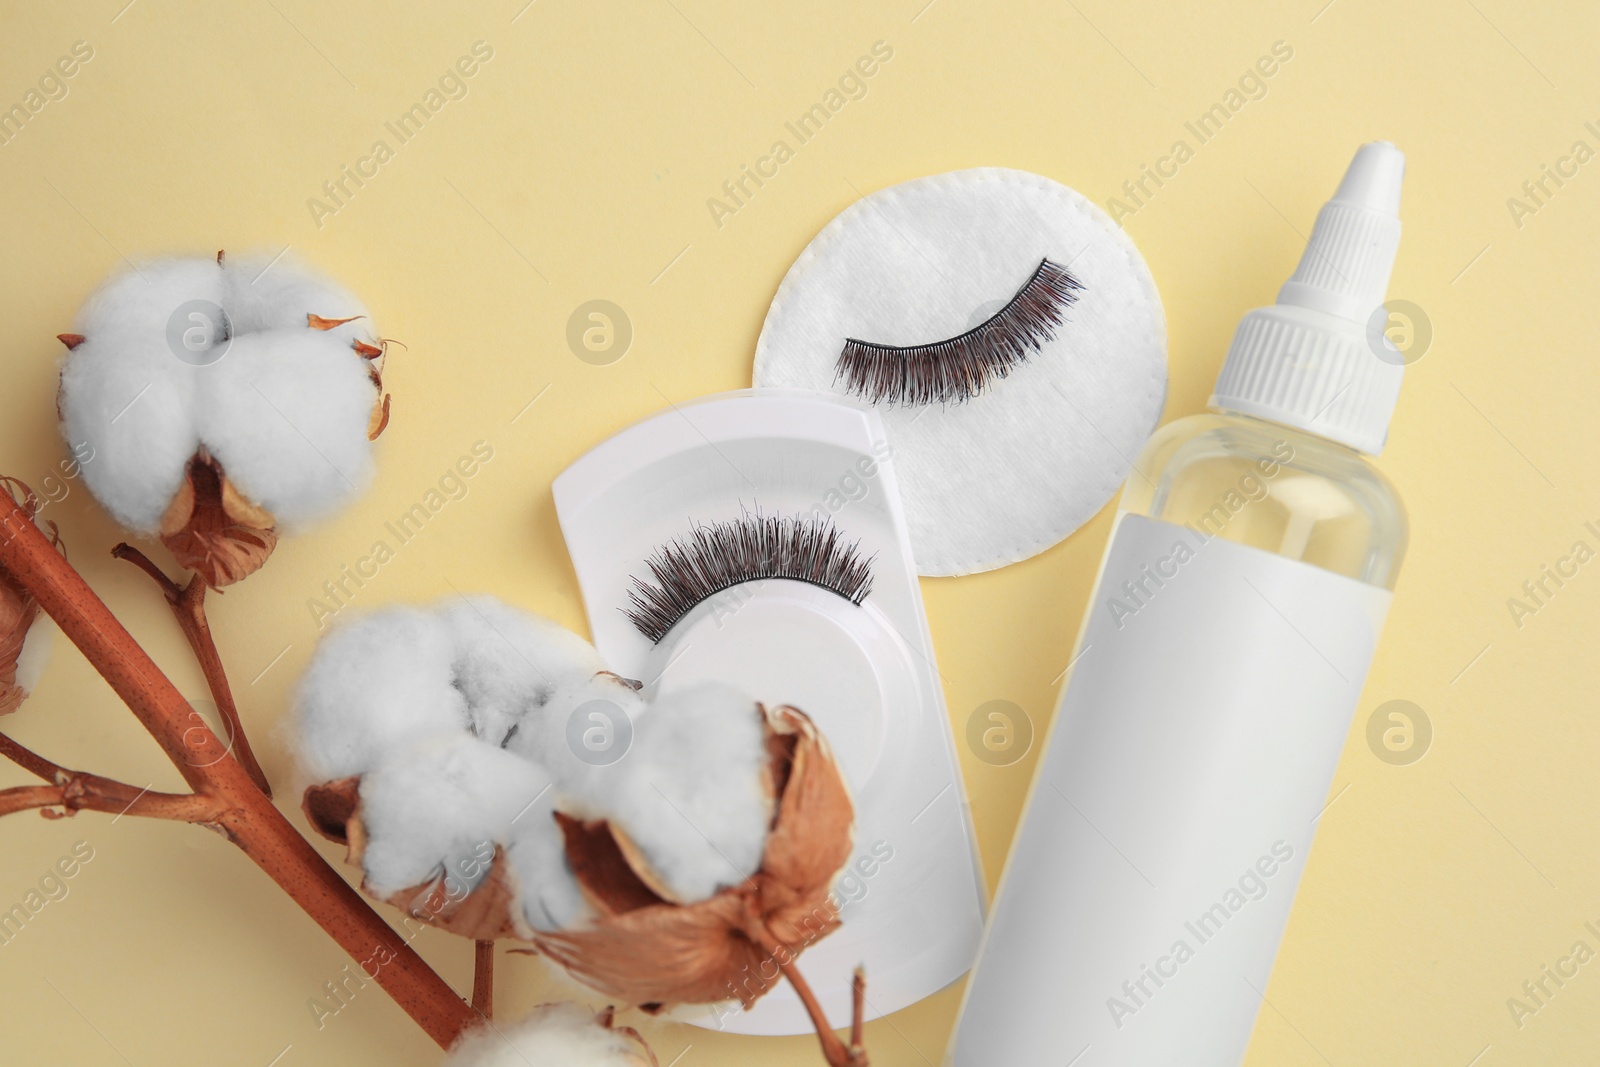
241	811
483	978
169	588
90	792
29	760
833	1050
858	1003
189	608
74	791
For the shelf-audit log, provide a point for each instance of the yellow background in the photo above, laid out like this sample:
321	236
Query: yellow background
578	167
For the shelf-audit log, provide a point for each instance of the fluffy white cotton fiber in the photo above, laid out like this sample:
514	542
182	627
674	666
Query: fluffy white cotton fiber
35	654
468	723
582	736
692	794
282	406
554	1035
509	662
444	802
377	684
286	414
420	703
124	393
469	665
546	890
261	295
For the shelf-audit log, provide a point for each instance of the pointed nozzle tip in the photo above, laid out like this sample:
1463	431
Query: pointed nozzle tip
1373	180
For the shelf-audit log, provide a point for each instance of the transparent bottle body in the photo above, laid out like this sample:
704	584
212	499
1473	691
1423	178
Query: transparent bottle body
1274	488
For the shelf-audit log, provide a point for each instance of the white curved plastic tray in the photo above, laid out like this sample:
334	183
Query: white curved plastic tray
913	894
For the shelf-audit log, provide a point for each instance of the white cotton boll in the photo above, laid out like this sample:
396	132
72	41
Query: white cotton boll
286	415
554	1035
455	717
692	794
509	663
261	292
439	806
282	406
376	683
35	654
582	735
547	890
126	396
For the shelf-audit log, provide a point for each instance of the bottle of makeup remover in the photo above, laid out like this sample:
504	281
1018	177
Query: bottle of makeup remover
1212	690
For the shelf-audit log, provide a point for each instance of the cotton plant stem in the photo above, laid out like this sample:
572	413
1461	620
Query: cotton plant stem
833	1050
189	608
191	614
483	978
858	997
74	791
344	914
90	792
242	812
28	760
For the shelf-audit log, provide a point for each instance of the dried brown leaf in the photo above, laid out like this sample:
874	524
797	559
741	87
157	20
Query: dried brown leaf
380	418
608	880
18	611
332	806
244	511
814	828
668	953
317	322
487	913
212	529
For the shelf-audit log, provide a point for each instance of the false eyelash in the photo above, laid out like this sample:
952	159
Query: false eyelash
716	556
961	367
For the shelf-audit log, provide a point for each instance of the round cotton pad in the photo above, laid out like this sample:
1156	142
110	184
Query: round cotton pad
1001	475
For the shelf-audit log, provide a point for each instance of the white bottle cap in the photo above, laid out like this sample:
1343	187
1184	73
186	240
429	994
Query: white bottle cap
1317	359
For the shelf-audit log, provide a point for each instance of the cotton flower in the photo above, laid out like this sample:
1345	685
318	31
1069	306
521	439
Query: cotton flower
695	797
452	754
25	633
450	751
645	948
421	728
557	1035
223	400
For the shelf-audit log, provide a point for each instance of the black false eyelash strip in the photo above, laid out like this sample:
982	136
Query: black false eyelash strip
961	367
716	556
